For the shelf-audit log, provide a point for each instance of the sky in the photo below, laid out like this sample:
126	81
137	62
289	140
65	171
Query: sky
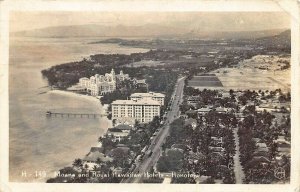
208	21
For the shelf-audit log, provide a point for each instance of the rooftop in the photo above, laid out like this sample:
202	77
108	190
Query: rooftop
150	94
123	127
204	109
144	101
261	145
93	156
141	81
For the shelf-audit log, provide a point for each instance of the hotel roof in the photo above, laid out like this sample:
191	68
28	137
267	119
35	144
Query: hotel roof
145	101
93	156
150	94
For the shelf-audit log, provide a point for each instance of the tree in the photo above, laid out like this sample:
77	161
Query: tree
172	161
120	157
77	163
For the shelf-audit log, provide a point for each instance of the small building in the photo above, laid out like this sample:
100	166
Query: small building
92	159
141	83
281	139
180	147
124	127
117	134
217	141
222	110
283	149
256	140
261	147
203	111
216	149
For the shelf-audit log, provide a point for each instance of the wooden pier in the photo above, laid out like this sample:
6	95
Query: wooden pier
74	115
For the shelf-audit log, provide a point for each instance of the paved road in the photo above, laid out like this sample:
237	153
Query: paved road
157	142
238	170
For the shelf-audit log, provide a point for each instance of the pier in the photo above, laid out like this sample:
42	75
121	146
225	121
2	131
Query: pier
74	115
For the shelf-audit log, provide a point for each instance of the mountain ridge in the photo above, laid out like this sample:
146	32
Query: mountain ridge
149	30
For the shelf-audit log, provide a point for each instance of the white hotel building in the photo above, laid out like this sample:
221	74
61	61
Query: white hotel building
155	96
143	110
142	107
102	84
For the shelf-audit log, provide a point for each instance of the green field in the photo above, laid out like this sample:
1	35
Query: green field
205	81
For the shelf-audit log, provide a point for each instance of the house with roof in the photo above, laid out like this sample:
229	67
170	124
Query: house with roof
203	111
216	149
222	110
141	83
216	141
262	147
124	127
117	134
256	140
95	159
178	146
283	149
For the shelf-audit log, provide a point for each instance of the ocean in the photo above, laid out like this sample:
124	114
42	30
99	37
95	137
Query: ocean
38	144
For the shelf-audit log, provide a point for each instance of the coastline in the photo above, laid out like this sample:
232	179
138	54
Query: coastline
72	94
104	124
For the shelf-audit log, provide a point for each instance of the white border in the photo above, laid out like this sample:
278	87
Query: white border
289	6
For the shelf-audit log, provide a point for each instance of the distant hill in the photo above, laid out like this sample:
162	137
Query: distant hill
235	34
283	38
149	30
102	31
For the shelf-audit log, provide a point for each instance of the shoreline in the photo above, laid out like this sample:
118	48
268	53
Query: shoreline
104	124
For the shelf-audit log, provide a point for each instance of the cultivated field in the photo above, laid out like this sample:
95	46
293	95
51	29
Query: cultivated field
205	81
258	73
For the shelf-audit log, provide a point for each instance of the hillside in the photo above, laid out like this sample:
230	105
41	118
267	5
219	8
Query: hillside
150	30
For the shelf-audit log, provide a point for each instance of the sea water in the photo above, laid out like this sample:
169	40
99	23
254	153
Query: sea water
39	146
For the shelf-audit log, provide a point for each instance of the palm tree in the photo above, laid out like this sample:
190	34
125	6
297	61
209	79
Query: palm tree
77	163
99	161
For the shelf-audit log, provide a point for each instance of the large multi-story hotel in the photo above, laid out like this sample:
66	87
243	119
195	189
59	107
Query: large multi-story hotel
143	110
155	96
102	84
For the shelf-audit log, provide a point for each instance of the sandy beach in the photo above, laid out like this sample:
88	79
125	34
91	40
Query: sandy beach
84	97
49	144
105	122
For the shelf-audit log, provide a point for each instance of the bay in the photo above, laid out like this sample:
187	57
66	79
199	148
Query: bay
38	143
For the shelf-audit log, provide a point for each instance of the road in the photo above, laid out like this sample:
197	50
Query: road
158	141
238	170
